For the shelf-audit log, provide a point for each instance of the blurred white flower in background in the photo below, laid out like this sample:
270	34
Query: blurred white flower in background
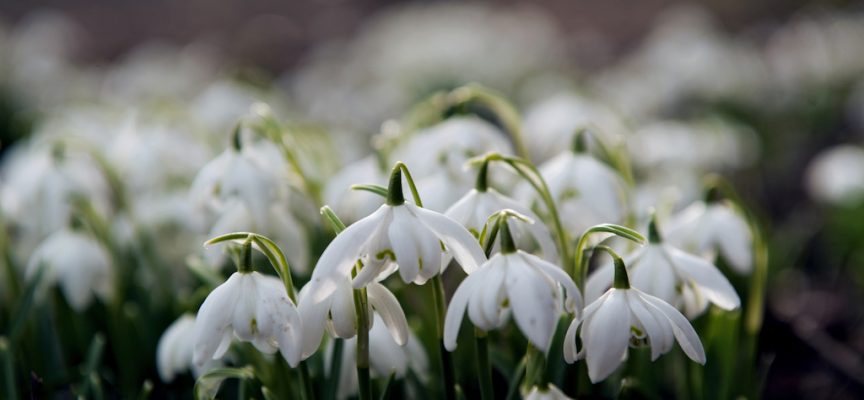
351	205
253	308
386	357
836	176
75	262
550	392
175	348
711	229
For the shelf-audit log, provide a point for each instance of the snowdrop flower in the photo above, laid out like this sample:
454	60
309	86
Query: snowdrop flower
337	312
174	352
241	172
474	209
517	281
834	177
549	392
587	191
676	277
398	232
251	307
438	155
626	316
77	263
709	228
386	357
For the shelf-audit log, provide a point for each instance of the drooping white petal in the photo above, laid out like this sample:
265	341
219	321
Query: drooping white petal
243	315
485	302
659	334
402	234
710	281
683	331
573	303
456	310
607	336
533	300
733	237
314	315
389	310
342	311
456	239
213	320
570	351
654	274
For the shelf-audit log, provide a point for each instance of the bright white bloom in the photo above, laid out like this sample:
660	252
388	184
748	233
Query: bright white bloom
78	264
408	235
251	307
711	228
337	312
517	281
550	392
676	277
587	191
835	176
622	317
475	208
386	357
174	352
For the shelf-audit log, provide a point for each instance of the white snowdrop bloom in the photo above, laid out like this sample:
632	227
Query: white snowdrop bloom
554	121
835	176
251	307
337	312
711	228
475	207
243	171
438	155
38	185
550	392
77	263
398	232
274	221
386	357
626	316
351	205
587	191
682	279
513	281
174	351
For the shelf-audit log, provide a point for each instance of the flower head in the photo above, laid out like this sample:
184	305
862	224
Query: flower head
711	228
338	313
174	352
513	280
679	278
626	316
77	263
549	392
251	307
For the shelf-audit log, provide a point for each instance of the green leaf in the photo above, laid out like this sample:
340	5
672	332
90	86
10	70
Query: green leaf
377	189
207	386
617	230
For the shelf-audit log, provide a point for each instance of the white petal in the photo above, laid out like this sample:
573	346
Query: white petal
570	350
314	315
341	254
659	334
574	298
458	241
214	318
456	310
533	301
713	285
684	333
402	234
655	274
389	310
606	336
342	312
733	237
243	316
484	305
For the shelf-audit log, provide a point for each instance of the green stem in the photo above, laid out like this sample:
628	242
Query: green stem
414	193
8	365
361	308
306	390
335	369
484	371
482	183
535	370
448	370
513	388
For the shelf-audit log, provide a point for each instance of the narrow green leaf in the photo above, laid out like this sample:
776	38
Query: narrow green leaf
377	189
7	362
207	385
